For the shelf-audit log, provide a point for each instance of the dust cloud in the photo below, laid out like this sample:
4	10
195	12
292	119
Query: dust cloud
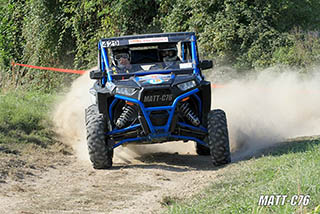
262	109
268	107
68	115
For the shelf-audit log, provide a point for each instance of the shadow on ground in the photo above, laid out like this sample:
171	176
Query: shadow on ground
172	162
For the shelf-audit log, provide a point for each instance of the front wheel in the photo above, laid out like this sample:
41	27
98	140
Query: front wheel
99	147
218	138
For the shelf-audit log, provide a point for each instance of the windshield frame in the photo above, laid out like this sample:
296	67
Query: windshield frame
105	63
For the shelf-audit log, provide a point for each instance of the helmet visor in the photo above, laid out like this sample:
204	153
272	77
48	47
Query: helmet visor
169	53
122	55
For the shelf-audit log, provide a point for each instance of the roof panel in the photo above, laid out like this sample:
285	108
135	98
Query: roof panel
147	38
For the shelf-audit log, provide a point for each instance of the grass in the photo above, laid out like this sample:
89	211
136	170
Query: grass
24	118
291	169
27	139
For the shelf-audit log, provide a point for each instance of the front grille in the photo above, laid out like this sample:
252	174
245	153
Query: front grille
159	118
152	98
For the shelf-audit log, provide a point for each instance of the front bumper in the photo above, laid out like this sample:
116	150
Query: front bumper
170	131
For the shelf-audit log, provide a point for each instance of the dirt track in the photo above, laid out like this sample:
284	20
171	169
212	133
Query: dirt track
257	116
143	185
142	180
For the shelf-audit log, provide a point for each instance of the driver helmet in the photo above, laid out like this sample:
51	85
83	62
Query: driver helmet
168	53
118	53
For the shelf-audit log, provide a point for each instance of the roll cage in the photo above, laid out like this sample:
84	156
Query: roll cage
186	41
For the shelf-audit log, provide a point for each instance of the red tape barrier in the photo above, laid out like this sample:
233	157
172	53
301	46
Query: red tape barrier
50	69
74	71
216	86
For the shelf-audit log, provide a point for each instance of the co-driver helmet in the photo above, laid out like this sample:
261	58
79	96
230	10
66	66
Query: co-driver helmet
168	53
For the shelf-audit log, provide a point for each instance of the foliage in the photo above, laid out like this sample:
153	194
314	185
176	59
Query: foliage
11	39
302	49
246	34
90	21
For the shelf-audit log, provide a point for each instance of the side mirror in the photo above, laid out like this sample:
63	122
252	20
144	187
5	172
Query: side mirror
96	74
205	64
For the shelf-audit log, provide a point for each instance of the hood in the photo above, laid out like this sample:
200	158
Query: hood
162	79
155	79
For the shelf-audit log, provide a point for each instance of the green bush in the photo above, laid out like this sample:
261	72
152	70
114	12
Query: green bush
246	34
302	49
11	39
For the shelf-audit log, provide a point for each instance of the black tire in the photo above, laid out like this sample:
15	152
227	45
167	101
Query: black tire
99	147
218	138
202	150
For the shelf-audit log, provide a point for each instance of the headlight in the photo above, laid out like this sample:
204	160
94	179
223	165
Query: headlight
125	91
186	85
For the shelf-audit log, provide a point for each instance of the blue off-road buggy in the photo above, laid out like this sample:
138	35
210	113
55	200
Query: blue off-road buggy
150	89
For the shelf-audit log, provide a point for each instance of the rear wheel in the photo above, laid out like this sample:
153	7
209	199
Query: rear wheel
218	138
99	147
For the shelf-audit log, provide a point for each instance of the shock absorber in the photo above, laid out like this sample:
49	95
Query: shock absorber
127	112
189	114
